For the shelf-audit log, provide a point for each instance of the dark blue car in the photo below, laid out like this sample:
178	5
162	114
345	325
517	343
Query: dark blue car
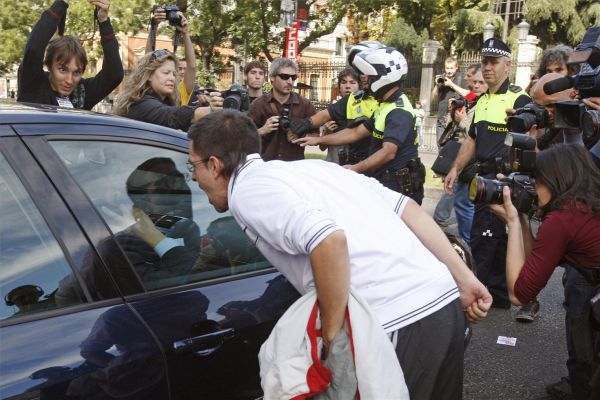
91	307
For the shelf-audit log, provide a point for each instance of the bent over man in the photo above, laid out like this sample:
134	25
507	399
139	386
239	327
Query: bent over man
299	216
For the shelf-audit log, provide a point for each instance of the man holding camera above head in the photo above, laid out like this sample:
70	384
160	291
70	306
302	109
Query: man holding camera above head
63	85
393	156
274	111
485	143
450	84
186	65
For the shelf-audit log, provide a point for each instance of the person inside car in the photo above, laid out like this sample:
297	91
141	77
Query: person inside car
63	85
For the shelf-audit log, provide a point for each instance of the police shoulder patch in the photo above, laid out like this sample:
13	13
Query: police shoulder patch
515	88
400	102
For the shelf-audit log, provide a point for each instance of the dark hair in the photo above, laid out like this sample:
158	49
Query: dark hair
571	175
63	49
558	54
229	135
351	72
254	64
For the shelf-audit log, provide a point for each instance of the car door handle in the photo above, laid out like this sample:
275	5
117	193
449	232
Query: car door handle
204	345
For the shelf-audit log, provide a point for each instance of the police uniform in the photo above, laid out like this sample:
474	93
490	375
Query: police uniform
488	129
349	109
394	121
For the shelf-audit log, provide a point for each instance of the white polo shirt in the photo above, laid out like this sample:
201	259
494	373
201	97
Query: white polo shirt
288	208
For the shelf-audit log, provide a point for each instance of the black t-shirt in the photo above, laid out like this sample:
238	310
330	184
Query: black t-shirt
445	93
337	112
400	130
489	136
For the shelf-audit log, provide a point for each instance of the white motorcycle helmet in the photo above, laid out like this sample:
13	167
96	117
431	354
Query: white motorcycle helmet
361	46
385	67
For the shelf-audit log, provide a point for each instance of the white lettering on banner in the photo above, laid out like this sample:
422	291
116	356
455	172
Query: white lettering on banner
291	41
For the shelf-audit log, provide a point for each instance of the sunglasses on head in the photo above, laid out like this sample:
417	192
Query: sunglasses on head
161	53
285	77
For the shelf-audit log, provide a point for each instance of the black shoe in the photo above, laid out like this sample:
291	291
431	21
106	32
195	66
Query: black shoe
560	390
529	312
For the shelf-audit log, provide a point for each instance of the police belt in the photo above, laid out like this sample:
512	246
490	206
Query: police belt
495	166
394	173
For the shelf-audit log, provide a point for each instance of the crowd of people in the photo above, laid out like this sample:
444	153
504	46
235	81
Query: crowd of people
327	227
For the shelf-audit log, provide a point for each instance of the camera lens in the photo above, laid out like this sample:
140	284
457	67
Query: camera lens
590	126
521	123
487	191
232	101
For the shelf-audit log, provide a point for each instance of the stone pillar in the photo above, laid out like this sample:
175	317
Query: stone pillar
430	48
526	54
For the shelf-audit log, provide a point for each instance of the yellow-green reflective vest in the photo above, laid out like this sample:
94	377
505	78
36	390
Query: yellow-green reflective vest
361	107
385	108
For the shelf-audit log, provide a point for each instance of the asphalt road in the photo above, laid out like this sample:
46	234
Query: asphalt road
500	372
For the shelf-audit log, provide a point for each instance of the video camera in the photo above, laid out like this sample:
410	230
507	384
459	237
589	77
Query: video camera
525	117
236	97
573	113
440	79
520	181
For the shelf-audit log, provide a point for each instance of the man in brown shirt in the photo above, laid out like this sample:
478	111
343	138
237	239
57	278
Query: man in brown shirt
280	107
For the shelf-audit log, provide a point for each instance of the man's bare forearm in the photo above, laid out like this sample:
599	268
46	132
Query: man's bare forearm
331	270
465	154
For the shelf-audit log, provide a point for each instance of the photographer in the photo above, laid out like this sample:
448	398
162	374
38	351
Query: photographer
187	65
150	95
274	111
461	123
568	190
63	85
255	73
448	85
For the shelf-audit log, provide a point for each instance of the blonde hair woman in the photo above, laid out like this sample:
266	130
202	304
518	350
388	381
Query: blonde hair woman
150	93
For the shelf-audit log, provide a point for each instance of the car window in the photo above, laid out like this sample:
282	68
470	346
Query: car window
164	223
33	269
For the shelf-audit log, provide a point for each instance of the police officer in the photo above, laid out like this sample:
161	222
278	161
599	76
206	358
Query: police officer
393	157
347	112
485	143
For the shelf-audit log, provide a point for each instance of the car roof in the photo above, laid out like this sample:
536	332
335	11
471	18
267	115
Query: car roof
30	113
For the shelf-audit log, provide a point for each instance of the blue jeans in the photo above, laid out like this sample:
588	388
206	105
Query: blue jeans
464	210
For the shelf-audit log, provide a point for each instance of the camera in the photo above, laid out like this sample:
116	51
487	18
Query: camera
459	103
573	113
521	160
489	191
440	79
527	116
172	14
284	119
236	97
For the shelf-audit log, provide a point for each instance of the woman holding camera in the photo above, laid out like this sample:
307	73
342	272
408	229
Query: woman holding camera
567	184
151	94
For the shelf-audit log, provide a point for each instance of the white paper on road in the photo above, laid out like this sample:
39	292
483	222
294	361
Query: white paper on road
507	341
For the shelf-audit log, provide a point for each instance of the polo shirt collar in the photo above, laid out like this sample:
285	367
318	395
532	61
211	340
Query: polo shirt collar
503	88
251	161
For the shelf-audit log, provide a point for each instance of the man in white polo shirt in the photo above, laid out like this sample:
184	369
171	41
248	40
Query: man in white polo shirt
325	227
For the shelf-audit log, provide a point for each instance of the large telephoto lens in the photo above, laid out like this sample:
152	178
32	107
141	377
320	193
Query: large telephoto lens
521	123
487	191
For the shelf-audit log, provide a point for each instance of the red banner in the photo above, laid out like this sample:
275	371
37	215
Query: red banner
291	42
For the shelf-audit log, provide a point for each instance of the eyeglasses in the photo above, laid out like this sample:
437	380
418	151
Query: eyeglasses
285	77
191	165
161	53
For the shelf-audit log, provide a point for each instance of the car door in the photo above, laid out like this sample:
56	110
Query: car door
209	297
52	312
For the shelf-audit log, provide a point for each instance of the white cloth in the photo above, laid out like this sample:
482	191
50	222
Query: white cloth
288	208
290	366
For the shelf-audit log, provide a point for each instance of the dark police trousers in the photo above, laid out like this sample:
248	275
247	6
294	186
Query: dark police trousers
488	246
581	364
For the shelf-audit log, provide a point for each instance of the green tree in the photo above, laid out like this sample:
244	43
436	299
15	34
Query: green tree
405	38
